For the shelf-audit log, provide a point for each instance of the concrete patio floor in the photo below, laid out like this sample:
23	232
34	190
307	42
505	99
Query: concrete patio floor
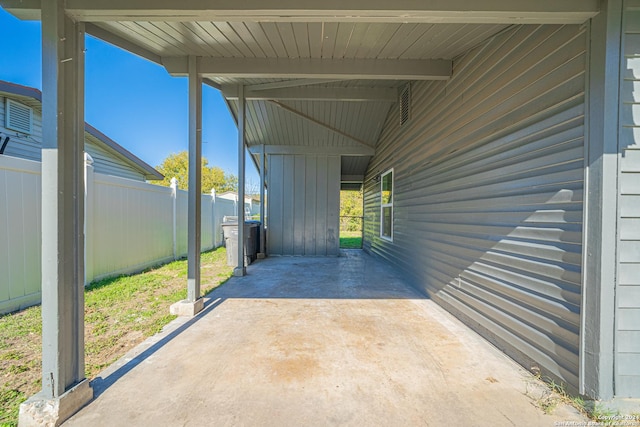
317	342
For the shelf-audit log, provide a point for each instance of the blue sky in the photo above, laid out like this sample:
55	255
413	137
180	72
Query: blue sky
133	101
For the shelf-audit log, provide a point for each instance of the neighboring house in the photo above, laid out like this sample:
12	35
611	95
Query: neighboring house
21	121
116	181
252	204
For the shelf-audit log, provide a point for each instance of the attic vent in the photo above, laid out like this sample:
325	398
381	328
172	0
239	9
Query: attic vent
405	104
19	117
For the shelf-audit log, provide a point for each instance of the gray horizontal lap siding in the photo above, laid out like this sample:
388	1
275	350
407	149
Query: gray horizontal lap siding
627	362
22	145
108	164
489	192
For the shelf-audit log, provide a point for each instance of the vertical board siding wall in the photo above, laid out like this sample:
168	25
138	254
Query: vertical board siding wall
488	192
129	226
627	361
304	204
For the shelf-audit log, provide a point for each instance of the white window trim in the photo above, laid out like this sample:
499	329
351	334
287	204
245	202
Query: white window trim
386	205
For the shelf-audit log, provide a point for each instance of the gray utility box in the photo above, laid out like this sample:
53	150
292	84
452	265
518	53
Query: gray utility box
251	241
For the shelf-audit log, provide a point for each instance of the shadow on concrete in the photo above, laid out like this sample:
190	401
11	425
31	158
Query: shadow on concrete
139	354
353	275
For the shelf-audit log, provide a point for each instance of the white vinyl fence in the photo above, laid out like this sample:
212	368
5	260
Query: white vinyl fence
129	226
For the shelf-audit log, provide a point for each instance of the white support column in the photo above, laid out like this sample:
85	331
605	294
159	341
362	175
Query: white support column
64	387
263	163
240	270
194	302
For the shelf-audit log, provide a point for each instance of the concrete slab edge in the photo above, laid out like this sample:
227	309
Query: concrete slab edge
41	411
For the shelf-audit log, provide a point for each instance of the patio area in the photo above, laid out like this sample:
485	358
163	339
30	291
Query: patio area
317	341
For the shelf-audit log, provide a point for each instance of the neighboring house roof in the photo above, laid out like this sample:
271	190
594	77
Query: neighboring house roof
32	97
228	194
232	195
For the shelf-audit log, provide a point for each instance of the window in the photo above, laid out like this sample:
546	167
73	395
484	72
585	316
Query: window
386	205
19	117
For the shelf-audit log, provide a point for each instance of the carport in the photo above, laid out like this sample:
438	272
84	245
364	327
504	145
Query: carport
314	89
318	341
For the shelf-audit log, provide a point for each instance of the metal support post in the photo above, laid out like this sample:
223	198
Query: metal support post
263	166
194	303
240	270
601	164
64	387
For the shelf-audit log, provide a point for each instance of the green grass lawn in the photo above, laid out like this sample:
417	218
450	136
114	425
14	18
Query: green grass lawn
120	313
350	239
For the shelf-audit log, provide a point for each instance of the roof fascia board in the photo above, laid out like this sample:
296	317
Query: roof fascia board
343	69
212	84
118	41
27	10
16	89
234	117
300	149
148	171
352	178
401	11
315	94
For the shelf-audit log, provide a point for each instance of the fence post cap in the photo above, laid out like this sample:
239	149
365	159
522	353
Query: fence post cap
174	182
88	159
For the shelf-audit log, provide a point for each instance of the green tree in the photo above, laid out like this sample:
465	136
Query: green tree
351	210
176	165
